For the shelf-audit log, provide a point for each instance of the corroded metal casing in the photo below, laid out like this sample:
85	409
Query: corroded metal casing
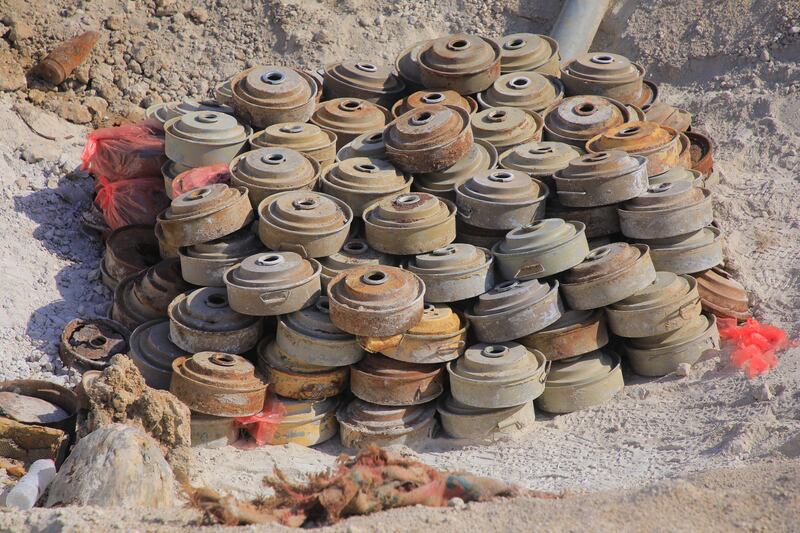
660	145
203	320
722	295
498	375
373	82
667	115
218	384
602	178
348	118
272	283
481	156
90	343
485	238
169	110
667	304
540	249
581	382
212	431
204	138
362	181
529	52
461	421
677	174
527	90
454	272
169	171
463	63
577	119
311	337
688	254
267	171
303	385
384	381
701	153
129	250
439	337
409	224
362	423
666	210
608	274
513	309
205	214
152	352
145	296
204	264
165	249
661	354
223	93
354	253
605	74
308	139
428	139
306	422
376	300
575	333
501	199
266	95
407	66
369	144
271	355
600	221
540	160
309	223
424	98
507	127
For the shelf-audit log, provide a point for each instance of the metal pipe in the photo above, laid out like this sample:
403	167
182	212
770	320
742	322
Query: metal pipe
577	25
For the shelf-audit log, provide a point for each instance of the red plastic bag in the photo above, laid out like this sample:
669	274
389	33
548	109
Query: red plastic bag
200	177
125	152
261	426
756	344
131	201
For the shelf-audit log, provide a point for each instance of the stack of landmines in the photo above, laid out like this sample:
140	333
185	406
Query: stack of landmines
470	268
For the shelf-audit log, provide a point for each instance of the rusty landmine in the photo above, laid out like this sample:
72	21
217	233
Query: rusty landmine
168	110
454	272
540	160
152	352
701	152
423	98
370	81
354	253
267	171
507	127
501	199
267	95
129	250
601	179
575	333
666	210
348	118
577	119
600	221
362	181
661	145
529	52
604	74
409	224
383	381
407	66
204	264
722	295
527	90
90	343
481	156
204	138
308	139
42	403
362	423
369	144
464	63
306	385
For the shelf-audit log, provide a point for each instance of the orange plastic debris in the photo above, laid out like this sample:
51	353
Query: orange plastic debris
200	177
262	425
756	344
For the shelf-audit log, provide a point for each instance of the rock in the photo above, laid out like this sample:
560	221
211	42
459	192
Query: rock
115	466
323	37
22	183
456	502
198	15
73	112
115	22
19	31
683	369
12	77
794	30
761	392
97	105
764	55
166	8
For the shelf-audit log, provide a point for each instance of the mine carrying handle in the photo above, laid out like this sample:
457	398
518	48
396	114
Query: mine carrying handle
299	249
270	298
503	424
682	310
547	364
579	193
449	348
529	269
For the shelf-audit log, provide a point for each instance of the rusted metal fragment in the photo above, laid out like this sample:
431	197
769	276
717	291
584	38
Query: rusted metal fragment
90	343
204	138
575	333
462	421
601	179
362	181
129	250
529	52
145	296
666	210
376	300
55	406
581	382
605	74
454	272
354	253
661	145
722	295
28	443
689	253
461	62
526	90
577	119
267	95
218	384
308	139
367	80
702	152
267	171
66	57
362	423
153	352
507	127
348	118
383	381
501	199
481	156
204	264
409	224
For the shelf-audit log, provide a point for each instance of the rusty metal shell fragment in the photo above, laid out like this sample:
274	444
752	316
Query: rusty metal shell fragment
575	333
529	52
204	264
501	199
409	224
218	384
454	272
376	300
348	118
362	423
497	375
601	178
689	253
267	171
308	139
354	253
540	249
90	343
661	145
370	81
203	320
581	382
153	352
464	63
423	98
369	144
204	138
461	421
577	119
266	95
362	181
608	274
666	210
667	304
309	223
129	250
480	157
383	381
526	90
605	74
507	127
272	283
204	214
513	309
722	295
145	296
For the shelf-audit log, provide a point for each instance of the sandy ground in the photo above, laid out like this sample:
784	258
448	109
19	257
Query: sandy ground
651	458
